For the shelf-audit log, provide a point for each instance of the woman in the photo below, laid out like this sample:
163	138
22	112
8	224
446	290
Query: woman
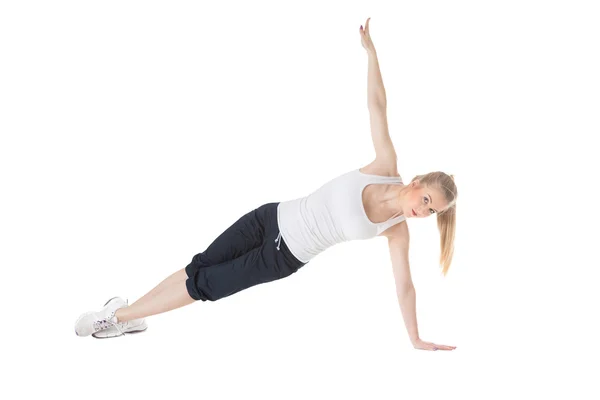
276	239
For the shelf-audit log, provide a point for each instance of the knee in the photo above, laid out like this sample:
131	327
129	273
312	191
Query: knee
192	289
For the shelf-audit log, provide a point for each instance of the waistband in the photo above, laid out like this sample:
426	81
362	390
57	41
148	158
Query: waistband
285	249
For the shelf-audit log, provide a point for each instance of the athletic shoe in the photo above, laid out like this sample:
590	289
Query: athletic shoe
94	321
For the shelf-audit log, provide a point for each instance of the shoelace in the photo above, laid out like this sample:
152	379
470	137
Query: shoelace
278	238
106	323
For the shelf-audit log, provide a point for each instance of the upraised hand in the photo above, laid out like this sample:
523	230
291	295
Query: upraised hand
365	37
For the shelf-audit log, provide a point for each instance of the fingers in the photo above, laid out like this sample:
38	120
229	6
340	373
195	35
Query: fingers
443	347
365	30
434	347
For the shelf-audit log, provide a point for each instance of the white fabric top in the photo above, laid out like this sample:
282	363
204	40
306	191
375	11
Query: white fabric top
332	214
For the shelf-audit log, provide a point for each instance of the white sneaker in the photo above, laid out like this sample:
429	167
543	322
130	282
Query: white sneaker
92	321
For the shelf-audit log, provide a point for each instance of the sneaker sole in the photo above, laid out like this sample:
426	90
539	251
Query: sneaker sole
126	333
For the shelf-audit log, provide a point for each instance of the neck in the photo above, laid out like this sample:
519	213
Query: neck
394	199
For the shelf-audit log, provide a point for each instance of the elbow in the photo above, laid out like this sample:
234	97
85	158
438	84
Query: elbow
405	289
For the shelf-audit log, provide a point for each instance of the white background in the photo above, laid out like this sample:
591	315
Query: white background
134	133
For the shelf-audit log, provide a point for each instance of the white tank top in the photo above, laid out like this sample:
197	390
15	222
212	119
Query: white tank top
332	214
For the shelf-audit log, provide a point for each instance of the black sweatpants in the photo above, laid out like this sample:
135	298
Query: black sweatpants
248	253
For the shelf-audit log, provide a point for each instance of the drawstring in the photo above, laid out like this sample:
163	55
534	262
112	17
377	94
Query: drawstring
278	238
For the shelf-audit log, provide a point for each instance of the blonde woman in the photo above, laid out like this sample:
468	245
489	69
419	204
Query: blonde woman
274	240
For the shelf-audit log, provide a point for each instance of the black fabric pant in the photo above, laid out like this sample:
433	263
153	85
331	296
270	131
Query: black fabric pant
245	255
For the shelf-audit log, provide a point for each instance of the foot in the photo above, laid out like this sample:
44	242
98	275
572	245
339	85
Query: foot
94	321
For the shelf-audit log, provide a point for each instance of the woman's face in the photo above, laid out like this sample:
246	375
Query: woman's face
425	201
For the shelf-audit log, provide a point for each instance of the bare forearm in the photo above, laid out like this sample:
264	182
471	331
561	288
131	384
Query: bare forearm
408	305
375	91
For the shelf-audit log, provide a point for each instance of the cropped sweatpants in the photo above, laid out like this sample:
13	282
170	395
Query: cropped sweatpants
250	252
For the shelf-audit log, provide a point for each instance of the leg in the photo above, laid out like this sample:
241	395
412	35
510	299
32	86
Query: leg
222	280
245	234
172	296
178	276
265	263
260	265
217	281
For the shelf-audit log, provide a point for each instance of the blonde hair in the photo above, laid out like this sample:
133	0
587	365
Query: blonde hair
446	219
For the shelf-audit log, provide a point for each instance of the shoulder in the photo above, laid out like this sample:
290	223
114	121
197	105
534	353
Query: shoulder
397	233
381	168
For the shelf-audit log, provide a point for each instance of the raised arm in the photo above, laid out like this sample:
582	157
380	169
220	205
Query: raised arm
377	103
